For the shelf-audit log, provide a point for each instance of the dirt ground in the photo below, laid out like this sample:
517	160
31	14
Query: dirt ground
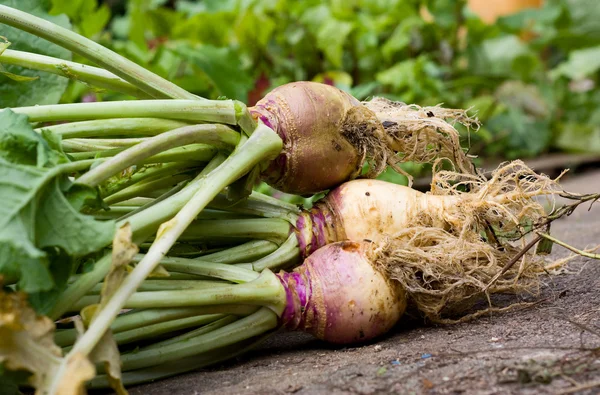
546	349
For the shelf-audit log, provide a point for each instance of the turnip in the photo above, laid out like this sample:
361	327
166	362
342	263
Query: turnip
302	138
375	210
344	293
328	135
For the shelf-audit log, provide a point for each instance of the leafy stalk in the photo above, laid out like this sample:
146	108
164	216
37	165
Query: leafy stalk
80	144
206	268
138	76
262	321
288	253
272	229
262	145
221	111
143	225
150	331
75	71
186	364
219	135
114	127
265	290
146	187
167	285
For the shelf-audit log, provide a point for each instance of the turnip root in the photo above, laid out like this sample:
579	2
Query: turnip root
339	296
344	293
328	136
374	210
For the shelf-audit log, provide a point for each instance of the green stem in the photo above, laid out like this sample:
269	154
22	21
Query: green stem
266	291
246	252
193	153
183	365
156	330
141	223
271	229
137	202
121	212
146	187
245	119
166	285
184	276
209	269
259	204
586	254
197	332
286	255
77	166
75	71
262	321
140	318
217	135
209	214
145	174
80	287
79	144
114	127
138	76
70	146
264	144
221	111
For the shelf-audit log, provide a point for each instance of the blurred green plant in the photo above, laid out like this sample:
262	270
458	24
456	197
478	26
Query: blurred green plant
531	77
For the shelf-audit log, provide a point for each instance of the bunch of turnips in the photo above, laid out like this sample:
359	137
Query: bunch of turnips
133	247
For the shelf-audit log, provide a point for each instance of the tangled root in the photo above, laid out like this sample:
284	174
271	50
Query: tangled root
364	131
422	134
455	251
508	203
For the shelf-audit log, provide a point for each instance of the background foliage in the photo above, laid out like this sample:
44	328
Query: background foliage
531	76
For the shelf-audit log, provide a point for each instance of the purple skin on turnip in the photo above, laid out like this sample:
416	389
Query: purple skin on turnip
329	136
339	296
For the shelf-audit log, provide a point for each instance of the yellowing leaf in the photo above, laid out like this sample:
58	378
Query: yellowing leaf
27	343
78	365
106	349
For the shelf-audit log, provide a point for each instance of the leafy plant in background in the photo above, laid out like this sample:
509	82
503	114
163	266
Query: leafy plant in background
531	76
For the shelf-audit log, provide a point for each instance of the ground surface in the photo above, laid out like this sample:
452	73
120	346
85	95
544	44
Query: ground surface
539	350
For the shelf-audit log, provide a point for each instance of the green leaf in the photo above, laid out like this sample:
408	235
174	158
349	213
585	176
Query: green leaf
398	76
94	21
401	36
11	380
20	144
500	53
37	218
584	15
581	63
578	138
331	39
49	87
526	135
221	66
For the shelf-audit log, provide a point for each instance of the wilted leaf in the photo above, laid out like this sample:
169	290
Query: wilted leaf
106	349
27	343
